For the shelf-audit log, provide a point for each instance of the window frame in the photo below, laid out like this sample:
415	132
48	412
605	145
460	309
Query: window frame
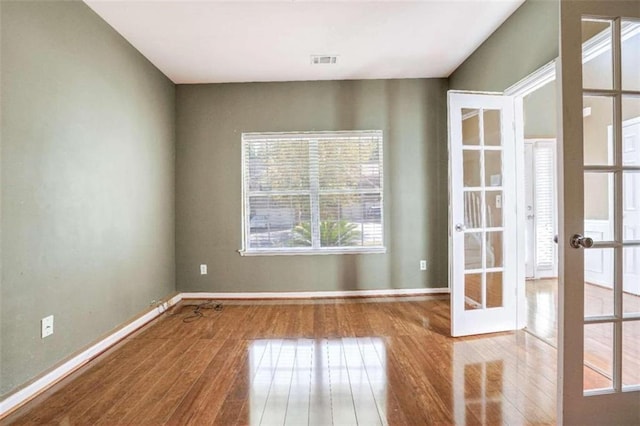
309	137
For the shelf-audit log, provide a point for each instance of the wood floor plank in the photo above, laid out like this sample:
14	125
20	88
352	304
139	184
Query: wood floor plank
386	403
138	391
111	391
305	322
162	396
60	399
364	401
66	406
197	363
426	388
275	407
342	404
200	405
320	409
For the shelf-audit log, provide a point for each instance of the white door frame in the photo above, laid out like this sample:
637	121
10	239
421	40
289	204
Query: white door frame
524	87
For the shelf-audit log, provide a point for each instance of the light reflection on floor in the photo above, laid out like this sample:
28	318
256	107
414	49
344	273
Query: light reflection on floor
325	381
345	381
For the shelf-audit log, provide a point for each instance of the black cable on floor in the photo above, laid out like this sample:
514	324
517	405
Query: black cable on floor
197	310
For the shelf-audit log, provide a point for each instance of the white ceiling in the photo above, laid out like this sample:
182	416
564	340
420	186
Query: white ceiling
239	41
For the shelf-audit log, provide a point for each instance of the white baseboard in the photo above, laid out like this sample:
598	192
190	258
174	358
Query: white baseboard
33	389
28	392
317	294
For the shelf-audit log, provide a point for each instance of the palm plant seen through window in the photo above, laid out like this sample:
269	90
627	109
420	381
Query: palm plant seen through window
332	233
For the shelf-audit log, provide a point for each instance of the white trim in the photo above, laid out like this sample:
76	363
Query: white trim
30	391
318	294
27	393
342	134
474	92
540	77
521	294
318	251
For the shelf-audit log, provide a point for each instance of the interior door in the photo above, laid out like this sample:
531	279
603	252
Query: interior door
599	343
483	258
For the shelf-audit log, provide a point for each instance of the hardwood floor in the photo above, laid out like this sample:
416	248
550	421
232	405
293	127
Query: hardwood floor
542	311
342	362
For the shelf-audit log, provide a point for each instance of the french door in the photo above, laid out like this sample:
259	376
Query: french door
482	229
599	326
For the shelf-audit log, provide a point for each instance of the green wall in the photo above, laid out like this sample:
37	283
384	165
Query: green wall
522	44
210	121
87	183
540	112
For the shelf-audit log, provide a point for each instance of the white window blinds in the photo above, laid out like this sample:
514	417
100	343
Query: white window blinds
544	164
312	193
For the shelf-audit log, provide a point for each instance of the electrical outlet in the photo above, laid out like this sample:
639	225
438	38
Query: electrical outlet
423	265
203	269
47	326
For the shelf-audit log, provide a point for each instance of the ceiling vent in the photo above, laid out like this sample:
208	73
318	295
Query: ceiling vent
323	59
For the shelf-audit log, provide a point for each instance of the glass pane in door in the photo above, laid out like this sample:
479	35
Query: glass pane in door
472	168
598	356
472	250
472	209
493	168
630	53
494	289
597	67
494	251
631	353
470	127
631	130
472	291
492	132
631	281
630	206
494	209
598	135
598	206
598	282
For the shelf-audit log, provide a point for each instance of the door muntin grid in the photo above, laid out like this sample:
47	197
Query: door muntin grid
609	169
482	152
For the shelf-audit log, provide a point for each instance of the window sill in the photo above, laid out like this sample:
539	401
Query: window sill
306	252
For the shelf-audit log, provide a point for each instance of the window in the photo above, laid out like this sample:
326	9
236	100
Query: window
307	193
